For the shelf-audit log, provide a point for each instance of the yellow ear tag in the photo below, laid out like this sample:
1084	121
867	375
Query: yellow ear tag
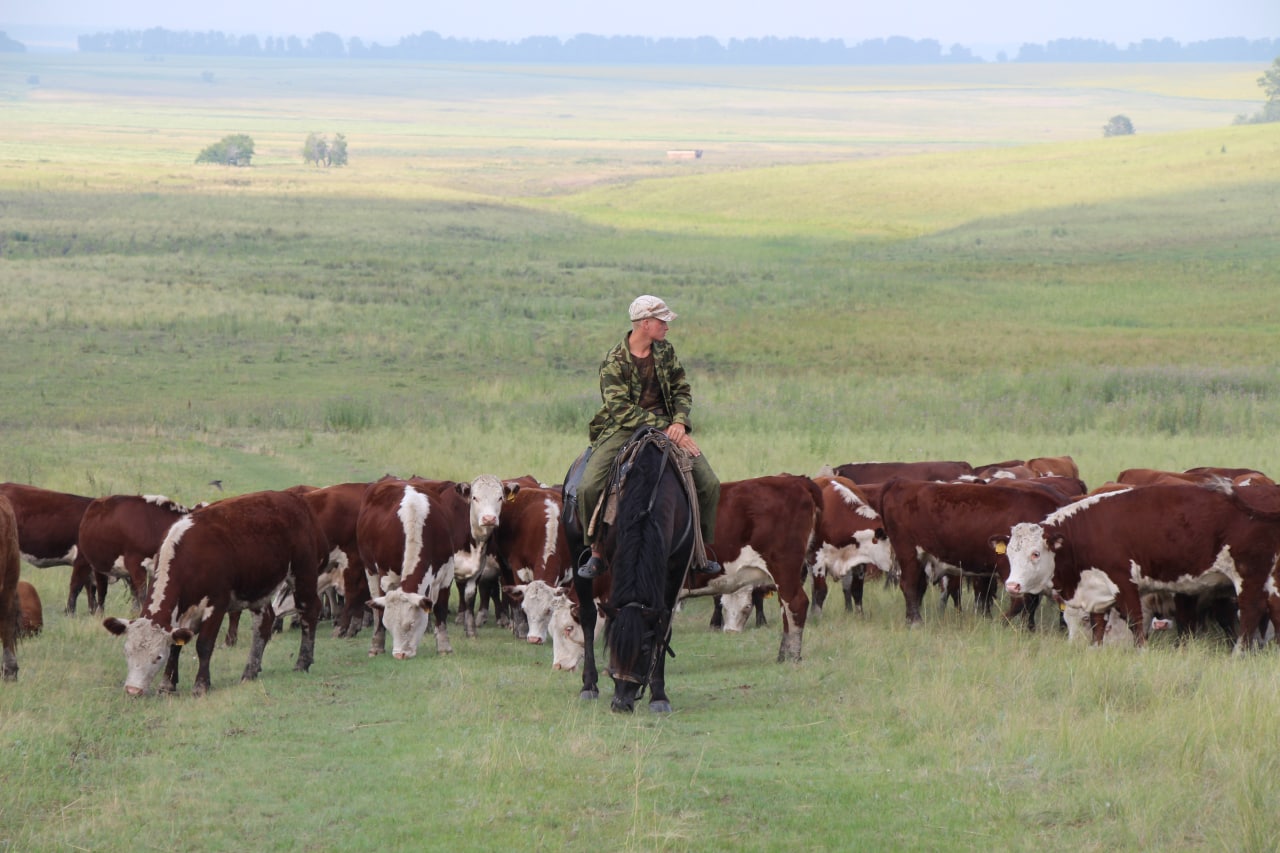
511	496
1000	548
179	642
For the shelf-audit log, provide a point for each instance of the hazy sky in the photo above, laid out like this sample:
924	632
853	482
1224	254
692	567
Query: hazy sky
972	23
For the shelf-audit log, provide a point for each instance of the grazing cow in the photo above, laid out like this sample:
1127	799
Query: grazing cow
48	527
850	539
10	566
530	544
1111	548
868	473
764	530
946	527
30	612
119	538
228	556
412	536
552	612
337	508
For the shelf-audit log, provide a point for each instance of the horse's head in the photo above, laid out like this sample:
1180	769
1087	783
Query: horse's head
632	641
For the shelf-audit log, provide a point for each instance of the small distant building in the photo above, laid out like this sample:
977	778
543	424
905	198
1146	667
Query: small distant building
684	154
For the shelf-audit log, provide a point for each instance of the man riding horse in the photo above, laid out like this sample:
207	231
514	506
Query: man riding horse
642	383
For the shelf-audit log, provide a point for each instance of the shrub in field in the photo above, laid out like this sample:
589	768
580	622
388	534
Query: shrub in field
235	149
1118	126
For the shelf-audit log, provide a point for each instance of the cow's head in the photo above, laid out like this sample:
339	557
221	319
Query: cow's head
146	649
405	616
486	494
1032	555
868	547
567	646
537	599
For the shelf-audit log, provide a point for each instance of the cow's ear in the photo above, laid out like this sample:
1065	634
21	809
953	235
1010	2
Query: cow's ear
1056	542
516	592
575	613
115	626
999	543
880	535
463	489
182	636
423	602
558	592
510	490
380	601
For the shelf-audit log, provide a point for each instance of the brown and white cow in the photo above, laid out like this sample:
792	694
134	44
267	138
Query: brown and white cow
764	530
228	556
1111	548
529	544
10	566
867	473
30	611
412	535
850	540
119	538
48	527
936	527
1054	466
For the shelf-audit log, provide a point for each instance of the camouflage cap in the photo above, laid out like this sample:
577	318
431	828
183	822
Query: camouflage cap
651	307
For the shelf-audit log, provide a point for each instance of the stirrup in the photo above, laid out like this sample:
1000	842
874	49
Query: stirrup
711	568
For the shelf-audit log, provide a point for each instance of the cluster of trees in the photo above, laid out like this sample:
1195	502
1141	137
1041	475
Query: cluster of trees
320	151
235	149
1118	126
703	50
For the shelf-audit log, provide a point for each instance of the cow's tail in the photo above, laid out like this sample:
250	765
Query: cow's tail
815	529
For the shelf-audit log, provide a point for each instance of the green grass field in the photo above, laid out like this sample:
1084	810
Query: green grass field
879	263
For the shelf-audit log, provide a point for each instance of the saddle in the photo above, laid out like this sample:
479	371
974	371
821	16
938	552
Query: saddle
605	512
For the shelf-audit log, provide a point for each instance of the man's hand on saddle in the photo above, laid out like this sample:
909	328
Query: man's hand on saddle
682	439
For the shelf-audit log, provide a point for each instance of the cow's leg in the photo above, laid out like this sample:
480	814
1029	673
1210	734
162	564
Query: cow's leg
81	579
233	629
912	582
587	616
9	640
1130	603
169	683
263	621
467	606
138	580
306	601
757	601
1252	603
984	592
205	642
853	585
795	610
440	616
1098	623
717	613
819	596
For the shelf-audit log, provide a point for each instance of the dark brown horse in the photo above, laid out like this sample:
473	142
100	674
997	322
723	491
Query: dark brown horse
648	550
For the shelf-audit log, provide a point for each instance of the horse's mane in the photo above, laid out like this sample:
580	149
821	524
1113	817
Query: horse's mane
640	555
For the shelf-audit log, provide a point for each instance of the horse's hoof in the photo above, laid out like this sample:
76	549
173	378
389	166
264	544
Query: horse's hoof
589	694
663	707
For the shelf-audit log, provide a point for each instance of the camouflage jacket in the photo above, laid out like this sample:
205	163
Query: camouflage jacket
620	392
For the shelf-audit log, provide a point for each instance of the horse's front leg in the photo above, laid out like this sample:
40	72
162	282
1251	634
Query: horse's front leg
587	615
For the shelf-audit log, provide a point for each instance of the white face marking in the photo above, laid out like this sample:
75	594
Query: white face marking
737	605
405	619
146	649
1031	561
163	561
486	505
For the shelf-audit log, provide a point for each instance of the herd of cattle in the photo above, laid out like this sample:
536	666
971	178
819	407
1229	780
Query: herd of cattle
1153	548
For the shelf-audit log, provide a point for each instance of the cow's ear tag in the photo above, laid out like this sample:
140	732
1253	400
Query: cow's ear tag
1000	548
179	642
511	496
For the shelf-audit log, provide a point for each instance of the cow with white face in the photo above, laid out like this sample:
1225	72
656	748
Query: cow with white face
412	536
229	556
552	612
1111	548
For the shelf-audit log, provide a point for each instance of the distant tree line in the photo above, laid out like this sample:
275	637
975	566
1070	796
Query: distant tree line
8	45
704	50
